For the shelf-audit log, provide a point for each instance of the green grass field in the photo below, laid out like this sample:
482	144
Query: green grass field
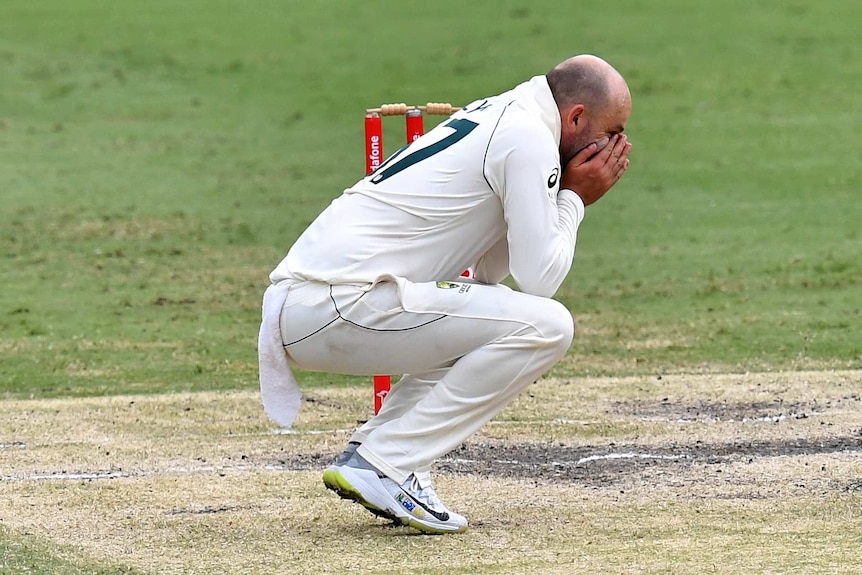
158	158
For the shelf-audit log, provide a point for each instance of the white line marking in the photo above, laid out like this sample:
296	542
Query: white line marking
119	474
580	461
763	419
590	458
68	476
292	431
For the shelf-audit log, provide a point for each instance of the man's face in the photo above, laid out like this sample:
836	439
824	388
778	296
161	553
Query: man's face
592	128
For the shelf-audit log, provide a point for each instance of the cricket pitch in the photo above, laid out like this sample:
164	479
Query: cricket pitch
679	474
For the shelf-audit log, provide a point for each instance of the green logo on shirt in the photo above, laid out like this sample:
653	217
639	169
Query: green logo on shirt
447	285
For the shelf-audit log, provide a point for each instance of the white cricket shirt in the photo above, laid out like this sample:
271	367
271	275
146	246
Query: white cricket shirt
481	189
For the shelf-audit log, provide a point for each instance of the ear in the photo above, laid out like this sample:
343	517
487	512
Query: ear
574	114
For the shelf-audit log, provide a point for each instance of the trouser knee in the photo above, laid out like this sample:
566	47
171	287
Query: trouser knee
556	327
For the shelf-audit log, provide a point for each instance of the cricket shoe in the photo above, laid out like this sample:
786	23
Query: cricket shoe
408	504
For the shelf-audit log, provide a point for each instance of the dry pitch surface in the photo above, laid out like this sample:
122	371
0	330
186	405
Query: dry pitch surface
754	473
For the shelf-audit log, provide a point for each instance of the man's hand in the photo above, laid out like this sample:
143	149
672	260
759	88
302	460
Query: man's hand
595	169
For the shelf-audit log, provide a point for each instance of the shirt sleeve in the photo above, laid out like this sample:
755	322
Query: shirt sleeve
523	168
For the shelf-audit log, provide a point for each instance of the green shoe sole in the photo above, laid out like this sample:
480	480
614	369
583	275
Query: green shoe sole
335	482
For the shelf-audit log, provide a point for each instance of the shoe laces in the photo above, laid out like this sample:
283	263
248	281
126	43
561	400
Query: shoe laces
426	494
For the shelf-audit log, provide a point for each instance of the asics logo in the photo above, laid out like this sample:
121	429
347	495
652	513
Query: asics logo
552	179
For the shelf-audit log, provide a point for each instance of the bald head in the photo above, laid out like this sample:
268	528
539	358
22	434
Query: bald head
593	100
587	80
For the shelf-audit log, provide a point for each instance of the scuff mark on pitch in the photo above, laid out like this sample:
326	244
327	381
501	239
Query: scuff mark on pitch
601	464
609	463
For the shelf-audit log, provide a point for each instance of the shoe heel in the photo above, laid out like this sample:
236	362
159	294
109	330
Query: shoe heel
334	481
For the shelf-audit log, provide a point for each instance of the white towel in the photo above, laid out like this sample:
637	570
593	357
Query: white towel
278	388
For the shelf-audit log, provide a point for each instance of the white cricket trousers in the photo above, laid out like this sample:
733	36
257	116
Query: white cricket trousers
466	350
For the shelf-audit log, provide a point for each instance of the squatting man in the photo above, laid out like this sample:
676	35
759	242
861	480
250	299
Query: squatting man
501	188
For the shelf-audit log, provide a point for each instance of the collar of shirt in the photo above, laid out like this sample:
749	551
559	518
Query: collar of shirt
535	96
